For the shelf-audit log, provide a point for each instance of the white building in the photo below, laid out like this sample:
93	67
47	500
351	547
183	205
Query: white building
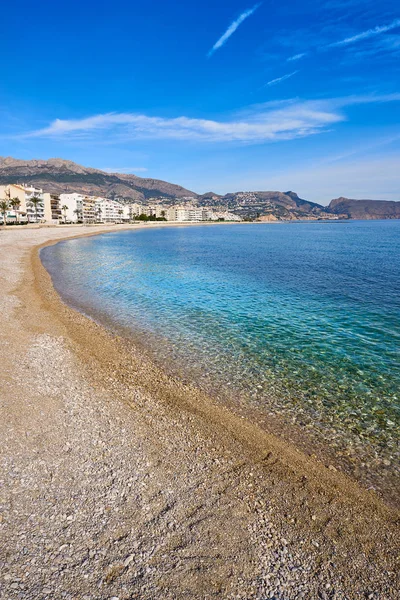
77	208
198	214
161	211
72	207
149	211
131	211
135	210
226	216
34	210
188	213
109	211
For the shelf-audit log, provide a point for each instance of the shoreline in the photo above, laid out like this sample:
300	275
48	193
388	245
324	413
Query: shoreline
315	508
308	438
201	403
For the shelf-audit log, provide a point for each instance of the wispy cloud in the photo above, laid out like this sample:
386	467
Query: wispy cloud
258	124
367	34
232	28
283	78
375	42
297	56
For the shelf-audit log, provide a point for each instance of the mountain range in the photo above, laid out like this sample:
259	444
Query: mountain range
60	176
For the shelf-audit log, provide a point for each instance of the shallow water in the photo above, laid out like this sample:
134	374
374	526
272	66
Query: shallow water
301	318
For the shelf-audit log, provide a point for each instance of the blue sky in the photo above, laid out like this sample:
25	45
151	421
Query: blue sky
211	95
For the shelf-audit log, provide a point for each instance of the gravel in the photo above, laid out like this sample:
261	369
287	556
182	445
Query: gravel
111	492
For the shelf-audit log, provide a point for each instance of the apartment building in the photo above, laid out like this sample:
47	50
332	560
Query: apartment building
14	213
71	207
131	211
89	213
149	211
161	211
27	209
52	208
109	211
198	214
171	214
187	213
78	208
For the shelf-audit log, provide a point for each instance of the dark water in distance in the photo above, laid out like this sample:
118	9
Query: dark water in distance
299	318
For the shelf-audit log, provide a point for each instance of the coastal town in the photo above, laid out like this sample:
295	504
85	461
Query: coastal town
22	204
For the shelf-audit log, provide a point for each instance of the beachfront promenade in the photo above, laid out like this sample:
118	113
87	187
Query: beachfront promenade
119	482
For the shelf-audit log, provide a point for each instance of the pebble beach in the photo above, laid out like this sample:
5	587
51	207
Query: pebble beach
120	482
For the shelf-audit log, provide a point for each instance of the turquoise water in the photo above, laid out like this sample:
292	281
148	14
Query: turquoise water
299	319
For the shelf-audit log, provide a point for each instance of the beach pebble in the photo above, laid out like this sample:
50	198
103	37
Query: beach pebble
117	491
128	560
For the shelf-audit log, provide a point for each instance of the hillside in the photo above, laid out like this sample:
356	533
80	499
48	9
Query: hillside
283	205
365	209
58	176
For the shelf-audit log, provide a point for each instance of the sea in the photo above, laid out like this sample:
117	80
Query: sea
296	321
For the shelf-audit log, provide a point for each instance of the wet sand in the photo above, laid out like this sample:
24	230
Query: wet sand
121	481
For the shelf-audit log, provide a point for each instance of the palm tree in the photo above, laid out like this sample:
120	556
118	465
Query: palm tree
3	210
98	213
78	214
36	201
64	210
16	203
120	212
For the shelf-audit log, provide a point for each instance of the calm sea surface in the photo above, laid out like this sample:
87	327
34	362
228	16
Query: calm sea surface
301	319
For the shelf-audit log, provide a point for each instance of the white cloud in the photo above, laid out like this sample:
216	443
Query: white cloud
261	123
232	28
296	56
283	78
367	34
